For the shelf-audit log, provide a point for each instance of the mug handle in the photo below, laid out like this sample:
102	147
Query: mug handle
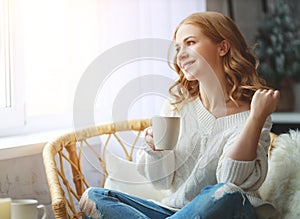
45	211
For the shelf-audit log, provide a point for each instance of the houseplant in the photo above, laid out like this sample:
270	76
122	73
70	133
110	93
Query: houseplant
278	50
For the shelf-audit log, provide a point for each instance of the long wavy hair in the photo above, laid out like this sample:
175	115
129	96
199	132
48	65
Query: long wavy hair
240	64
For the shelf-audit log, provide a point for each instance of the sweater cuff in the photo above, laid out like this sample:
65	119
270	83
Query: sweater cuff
236	171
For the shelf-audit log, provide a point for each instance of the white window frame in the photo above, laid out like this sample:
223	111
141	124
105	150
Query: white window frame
11	116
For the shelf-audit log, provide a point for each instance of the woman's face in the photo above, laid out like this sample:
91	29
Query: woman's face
196	53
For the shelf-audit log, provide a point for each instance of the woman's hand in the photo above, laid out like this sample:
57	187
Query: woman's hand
264	102
149	139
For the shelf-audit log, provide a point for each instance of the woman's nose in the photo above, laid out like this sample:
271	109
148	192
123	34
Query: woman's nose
182	53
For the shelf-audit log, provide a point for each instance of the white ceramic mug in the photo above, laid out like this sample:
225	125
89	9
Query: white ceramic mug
27	209
165	131
5	208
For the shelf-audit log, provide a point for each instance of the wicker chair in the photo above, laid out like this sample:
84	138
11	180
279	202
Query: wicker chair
66	153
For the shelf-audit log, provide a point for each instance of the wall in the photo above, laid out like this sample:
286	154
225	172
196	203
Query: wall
247	14
25	177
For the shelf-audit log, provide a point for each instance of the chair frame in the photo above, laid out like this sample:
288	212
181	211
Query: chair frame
68	148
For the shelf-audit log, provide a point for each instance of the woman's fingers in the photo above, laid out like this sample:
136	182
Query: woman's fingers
264	101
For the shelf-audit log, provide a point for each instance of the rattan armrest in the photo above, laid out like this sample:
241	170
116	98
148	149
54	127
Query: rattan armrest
50	150
64	148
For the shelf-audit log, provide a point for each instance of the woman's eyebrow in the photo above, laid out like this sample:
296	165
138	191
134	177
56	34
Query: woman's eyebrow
185	39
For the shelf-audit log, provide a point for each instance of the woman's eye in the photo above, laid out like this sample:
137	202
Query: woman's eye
189	43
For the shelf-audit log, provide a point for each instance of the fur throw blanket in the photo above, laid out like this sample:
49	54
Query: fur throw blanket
282	184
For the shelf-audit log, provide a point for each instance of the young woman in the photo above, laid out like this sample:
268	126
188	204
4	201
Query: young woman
220	161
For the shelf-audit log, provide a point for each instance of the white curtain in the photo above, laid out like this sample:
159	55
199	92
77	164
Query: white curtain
147	77
61	40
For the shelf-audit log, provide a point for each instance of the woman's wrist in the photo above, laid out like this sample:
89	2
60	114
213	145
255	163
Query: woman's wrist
259	118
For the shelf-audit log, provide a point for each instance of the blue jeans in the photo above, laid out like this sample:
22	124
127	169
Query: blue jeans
211	203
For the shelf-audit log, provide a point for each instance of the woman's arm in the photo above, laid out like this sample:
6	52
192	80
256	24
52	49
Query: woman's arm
262	105
244	159
248	175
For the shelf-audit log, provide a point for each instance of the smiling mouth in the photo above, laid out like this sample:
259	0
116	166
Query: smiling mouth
187	65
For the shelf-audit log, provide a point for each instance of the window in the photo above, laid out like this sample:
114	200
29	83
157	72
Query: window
11	107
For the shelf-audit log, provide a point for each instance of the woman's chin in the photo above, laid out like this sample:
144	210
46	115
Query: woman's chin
189	76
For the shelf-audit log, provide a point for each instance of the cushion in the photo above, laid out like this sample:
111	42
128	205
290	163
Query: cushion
123	176
282	184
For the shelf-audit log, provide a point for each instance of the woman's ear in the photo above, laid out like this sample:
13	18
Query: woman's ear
224	47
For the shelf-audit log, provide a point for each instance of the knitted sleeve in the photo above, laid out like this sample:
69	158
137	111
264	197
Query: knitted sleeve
158	166
248	175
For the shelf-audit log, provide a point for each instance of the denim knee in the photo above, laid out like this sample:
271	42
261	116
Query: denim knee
236	201
223	200
226	188
88	205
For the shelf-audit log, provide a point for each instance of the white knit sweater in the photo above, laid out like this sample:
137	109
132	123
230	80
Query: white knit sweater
199	158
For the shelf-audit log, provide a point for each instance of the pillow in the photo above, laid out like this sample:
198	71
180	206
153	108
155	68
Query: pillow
282	184
124	177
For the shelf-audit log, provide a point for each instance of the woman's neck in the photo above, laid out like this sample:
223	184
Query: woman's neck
213	94
213	99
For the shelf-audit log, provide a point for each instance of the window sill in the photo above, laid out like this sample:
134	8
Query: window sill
32	137
27	144
286	117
